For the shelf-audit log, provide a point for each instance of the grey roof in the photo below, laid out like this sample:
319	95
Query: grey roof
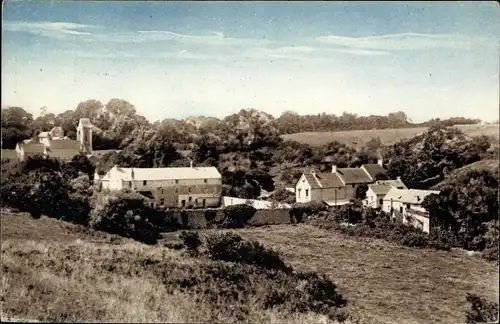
409	196
141	174
9	154
312	180
380	189
393	183
329	180
67	144
376	171
354	175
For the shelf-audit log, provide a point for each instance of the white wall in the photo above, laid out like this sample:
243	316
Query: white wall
420	221
302	190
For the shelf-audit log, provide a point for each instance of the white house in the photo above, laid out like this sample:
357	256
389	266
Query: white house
407	205
377	191
188	187
339	186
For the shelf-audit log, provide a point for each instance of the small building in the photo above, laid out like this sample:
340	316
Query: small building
339	186
55	145
189	187
25	150
327	187
406	204
377	191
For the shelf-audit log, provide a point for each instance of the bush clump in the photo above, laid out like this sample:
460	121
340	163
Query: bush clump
237	216
124	213
481	311
231	247
191	241
301	210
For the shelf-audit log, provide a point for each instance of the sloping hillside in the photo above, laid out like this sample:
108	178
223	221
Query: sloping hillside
54	271
487	164
387	136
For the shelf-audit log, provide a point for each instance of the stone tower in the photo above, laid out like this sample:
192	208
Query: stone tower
84	135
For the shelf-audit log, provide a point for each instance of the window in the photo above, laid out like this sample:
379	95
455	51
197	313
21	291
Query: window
144	183
176	181
307	192
353	186
299	192
204	202
407	206
400	209
162	202
381	201
189	189
130	184
190	199
205	181
183	203
162	191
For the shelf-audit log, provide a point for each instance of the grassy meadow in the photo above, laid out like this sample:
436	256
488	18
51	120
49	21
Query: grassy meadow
387	136
55	271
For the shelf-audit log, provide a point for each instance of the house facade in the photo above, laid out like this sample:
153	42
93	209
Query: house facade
377	191
406	205
338	186
191	187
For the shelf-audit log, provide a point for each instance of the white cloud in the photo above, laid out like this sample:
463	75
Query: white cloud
48	28
407	41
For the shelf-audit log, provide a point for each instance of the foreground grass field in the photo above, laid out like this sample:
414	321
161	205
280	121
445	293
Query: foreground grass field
54	271
387	136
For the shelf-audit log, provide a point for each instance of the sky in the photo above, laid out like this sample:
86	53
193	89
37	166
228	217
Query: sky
180	59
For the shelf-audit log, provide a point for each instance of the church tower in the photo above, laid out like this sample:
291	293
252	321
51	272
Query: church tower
84	135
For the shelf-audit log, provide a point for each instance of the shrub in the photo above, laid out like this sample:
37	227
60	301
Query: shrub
231	247
299	210
210	216
237	216
191	240
125	214
481	311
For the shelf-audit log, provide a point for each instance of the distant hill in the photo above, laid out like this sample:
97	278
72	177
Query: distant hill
486	164
387	136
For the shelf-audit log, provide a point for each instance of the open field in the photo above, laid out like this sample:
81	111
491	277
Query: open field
52	270
387	136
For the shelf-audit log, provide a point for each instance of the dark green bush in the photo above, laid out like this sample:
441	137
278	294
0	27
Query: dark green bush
237	216
231	247
191	240
301	210
125	214
481	311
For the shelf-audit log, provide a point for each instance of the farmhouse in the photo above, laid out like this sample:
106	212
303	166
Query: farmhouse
406	204
339	186
377	191
55	145
189	187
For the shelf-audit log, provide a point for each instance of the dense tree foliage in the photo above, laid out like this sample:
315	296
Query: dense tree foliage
468	208
425	160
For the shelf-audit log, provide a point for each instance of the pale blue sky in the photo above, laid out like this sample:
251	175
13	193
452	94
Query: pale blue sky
177	59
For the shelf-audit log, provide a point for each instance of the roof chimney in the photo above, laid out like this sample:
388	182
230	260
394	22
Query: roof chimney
190	163
398	178
334	168
380	162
